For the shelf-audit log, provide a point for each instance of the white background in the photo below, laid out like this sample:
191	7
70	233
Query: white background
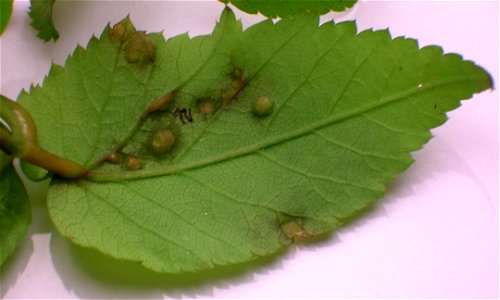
434	235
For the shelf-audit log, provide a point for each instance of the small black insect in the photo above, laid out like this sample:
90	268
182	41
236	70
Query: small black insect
184	115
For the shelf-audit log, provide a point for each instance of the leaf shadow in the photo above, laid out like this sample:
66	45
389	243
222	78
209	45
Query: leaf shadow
15	265
84	269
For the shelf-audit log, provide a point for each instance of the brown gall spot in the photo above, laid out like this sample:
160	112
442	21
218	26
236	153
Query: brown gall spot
133	163
162	141
161	104
118	32
206	107
293	231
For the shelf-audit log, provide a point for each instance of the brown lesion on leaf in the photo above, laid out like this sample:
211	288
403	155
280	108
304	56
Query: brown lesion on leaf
133	163
169	112
294	231
140	49
206	107
157	108
122	30
162	141
238	83
160	104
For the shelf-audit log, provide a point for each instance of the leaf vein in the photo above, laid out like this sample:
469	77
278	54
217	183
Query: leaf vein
313	176
355	150
180	216
144	227
286	42
354	73
306	79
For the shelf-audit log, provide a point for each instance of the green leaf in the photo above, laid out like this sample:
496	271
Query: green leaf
5	160
15	210
41	15
34	173
286	8
280	132
5	13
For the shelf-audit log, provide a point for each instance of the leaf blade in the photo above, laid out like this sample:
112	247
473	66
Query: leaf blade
15	211
342	127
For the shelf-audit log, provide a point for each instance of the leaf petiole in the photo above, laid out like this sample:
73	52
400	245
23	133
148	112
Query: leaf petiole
21	141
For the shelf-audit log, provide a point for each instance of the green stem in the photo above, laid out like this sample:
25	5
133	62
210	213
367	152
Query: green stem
58	165
21	141
22	127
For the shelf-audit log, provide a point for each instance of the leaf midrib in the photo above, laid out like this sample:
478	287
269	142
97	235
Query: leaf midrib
172	169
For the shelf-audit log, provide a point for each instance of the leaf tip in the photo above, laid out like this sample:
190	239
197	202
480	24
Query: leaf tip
122	30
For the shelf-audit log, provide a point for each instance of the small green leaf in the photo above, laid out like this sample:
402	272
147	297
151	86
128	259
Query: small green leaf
15	210
41	15
34	173
344	111
286	8
5	13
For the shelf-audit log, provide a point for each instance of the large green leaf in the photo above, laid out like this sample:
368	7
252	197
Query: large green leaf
15	209
286	8
347	110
